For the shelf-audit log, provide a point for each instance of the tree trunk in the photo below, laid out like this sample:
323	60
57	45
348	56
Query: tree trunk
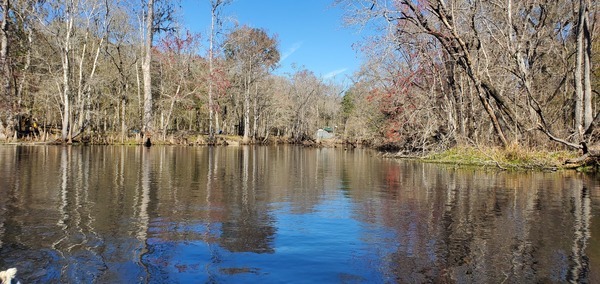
66	62
579	72
255	118
147	117
587	82
166	124
212	111
123	125
5	67
4	51
85	88
211	69
139	96
246	137
25	68
217	125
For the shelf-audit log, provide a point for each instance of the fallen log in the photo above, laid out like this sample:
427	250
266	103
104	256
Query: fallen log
590	157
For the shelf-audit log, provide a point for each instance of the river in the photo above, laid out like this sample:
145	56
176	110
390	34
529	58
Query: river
285	214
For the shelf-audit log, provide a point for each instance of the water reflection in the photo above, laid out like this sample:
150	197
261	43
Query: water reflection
486	227
287	214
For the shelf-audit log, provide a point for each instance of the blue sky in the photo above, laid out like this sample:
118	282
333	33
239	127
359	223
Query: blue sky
310	32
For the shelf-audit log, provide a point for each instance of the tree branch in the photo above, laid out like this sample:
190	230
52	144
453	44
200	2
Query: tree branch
556	139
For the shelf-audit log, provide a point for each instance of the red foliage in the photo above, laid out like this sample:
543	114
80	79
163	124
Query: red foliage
174	43
220	82
402	94
171	47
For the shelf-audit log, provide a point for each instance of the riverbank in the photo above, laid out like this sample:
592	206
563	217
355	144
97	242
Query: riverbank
513	159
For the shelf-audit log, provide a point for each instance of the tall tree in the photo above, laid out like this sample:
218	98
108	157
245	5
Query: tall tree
176	53
215	24
69	19
159	17
122	57
583	85
6	94
147	75
4	48
304	90
252	54
96	21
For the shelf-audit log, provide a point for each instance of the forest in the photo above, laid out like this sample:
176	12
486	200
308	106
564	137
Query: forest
436	74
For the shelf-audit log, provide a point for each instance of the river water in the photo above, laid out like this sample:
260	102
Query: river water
284	214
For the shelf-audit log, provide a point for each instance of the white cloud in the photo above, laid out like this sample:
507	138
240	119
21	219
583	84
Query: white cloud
334	73
291	50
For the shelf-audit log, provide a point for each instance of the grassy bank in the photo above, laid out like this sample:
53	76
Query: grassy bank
513	158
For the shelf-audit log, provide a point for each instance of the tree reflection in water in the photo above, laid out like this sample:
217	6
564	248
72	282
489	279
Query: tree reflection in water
252	214
473	226
247	227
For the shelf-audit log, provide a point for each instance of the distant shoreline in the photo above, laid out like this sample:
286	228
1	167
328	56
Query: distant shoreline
513	159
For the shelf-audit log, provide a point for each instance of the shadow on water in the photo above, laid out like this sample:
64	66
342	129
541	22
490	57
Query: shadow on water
287	214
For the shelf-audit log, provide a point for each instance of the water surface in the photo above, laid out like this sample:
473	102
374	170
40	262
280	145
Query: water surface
281	214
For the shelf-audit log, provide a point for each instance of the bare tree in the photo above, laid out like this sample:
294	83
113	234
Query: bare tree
176	54
252	53
304	90
516	57
96	22
124	59
4	48
158	17
146	62
215	24
583	89
66	67
6	93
